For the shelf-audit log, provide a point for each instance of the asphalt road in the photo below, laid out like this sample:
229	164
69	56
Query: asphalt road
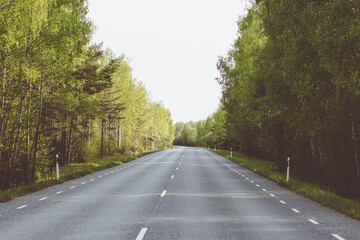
175	194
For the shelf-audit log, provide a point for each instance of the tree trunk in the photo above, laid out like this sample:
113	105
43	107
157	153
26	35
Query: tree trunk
89	134
28	153
22	99
41	119
116	123
68	154
63	146
19	128
3	98
109	151
342	167
279	136
119	136
3	124
102	138
145	142
355	148
35	146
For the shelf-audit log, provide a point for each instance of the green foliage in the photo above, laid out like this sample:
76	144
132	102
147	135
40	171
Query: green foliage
202	133
61	96
291	87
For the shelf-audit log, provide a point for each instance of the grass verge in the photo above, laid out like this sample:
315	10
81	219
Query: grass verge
68	172
268	169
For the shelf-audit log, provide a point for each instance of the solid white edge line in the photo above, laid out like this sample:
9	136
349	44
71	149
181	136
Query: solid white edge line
313	221
163	193
23	206
141	234
337	236
42	199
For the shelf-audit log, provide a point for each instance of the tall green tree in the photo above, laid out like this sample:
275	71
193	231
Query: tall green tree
290	88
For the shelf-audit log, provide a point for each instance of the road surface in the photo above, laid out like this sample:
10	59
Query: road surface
176	194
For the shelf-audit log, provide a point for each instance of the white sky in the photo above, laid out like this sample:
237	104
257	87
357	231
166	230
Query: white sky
173	46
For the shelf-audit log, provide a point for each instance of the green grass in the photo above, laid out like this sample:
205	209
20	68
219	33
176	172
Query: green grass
68	172
268	169
12	193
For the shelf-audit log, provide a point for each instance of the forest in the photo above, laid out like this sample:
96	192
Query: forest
291	88
63	95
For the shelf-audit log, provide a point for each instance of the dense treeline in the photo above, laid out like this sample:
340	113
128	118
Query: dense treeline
291	87
61	95
209	132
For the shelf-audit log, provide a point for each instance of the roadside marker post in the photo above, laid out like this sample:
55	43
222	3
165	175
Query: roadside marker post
57	167
288	169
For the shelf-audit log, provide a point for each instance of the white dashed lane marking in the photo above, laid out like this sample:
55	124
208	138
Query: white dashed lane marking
337	236
313	221
141	234
23	206
83	183
72	187
59	192
295	210
283	202
172	176
42	199
163	193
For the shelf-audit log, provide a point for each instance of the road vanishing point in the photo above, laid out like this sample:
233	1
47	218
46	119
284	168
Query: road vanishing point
186	193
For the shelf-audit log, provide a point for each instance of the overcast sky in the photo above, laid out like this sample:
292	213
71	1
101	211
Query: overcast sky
173	46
